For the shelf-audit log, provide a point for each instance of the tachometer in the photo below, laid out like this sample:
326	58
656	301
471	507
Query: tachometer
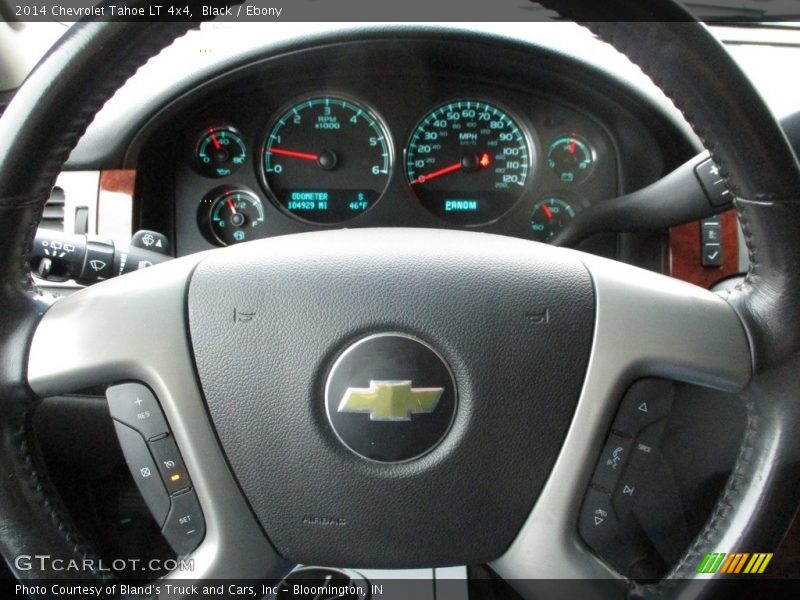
468	162
327	159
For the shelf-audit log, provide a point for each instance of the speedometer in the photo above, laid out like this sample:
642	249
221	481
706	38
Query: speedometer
468	162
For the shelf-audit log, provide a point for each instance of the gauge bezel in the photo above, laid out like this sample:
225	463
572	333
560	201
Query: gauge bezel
199	166
575	201
302	99
212	198
526	130
592	153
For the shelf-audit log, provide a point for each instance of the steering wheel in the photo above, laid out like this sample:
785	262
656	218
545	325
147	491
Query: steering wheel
266	357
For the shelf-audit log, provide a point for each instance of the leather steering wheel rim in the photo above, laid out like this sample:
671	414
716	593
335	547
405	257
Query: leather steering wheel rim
84	69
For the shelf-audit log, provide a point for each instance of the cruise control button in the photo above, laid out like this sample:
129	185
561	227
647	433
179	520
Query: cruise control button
185	527
144	471
136	406
646	401
170	464
646	445
612	462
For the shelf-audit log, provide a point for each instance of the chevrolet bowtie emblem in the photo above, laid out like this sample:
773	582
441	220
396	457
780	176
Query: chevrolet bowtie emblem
390	400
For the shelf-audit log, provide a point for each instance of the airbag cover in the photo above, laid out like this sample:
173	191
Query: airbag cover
512	319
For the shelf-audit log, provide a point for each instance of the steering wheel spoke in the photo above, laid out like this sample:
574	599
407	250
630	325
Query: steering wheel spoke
647	325
133	329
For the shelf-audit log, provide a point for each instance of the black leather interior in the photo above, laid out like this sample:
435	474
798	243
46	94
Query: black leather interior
43	123
699	76
50	112
702	80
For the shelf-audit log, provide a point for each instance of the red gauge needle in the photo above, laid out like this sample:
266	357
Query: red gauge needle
484	161
232	206
547	211
572	146
439	173
293	154
214	140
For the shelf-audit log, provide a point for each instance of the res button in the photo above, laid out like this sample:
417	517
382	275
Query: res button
137	407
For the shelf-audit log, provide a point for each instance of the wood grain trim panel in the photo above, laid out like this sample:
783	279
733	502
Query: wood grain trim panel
115	204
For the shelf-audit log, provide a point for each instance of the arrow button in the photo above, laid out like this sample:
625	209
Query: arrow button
647	401
598	524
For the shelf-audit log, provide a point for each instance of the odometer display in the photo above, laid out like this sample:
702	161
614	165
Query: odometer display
468	162
326	160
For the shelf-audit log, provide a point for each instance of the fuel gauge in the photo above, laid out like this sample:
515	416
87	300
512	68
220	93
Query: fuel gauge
229	216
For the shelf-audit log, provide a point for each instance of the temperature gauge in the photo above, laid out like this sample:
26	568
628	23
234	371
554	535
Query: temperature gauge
220	151
571	158
229	216
550	215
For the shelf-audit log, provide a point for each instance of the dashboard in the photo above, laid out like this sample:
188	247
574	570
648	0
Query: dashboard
397	131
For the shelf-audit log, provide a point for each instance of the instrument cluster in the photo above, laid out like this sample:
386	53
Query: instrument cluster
503	163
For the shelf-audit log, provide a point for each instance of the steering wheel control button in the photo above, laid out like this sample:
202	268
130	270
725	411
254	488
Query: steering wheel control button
646	401
713	255
598	524
137	407
627	491
170	464
612	462
185	526
144	471
646	445
390	398
710	231
713	183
